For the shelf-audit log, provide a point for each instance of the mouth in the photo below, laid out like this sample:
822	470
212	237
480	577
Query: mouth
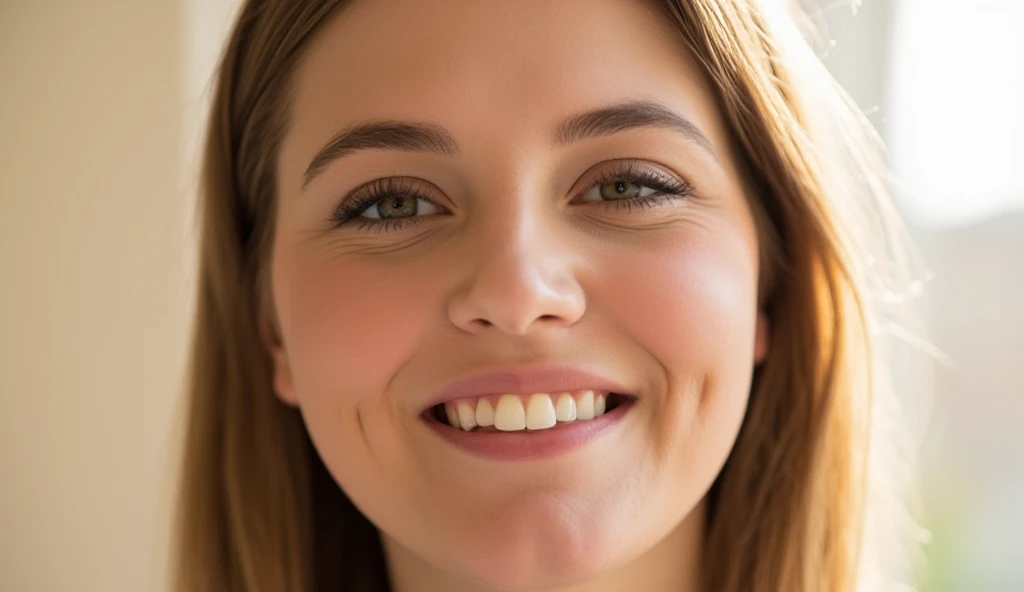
529	413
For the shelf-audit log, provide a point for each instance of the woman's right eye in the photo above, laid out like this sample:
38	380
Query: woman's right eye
399	206
386	204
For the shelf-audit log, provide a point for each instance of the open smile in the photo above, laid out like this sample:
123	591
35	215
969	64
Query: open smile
537	411
525	427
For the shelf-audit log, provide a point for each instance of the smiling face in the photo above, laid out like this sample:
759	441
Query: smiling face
545	191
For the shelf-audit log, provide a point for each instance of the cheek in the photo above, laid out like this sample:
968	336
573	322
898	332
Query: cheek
691	305
346	325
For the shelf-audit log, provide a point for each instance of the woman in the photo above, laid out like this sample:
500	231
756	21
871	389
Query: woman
531	296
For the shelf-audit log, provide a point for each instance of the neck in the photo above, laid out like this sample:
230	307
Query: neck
672	564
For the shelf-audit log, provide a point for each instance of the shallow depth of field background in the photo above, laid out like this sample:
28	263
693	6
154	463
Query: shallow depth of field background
100	116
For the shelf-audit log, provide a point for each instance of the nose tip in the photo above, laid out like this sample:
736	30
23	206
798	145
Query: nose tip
516	301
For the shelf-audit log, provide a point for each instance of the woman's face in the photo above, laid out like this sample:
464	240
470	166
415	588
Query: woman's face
525	199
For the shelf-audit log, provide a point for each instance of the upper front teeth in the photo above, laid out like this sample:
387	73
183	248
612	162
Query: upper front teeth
538	411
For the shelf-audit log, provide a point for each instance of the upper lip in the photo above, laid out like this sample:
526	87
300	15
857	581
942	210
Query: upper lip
525	380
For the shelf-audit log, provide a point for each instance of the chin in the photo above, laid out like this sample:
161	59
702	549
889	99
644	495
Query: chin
524	553
510	569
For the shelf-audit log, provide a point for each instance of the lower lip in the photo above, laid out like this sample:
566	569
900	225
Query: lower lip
532	445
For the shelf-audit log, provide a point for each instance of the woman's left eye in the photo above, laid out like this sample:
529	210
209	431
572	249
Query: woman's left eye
635	185
618	190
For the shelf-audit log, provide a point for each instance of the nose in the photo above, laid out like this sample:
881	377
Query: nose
520	279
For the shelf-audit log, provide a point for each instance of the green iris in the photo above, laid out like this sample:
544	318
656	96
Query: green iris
397	207
620	190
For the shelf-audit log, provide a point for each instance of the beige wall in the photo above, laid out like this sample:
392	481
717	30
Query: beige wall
94	291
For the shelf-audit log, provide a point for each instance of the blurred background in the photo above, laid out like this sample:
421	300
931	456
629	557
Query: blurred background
100	119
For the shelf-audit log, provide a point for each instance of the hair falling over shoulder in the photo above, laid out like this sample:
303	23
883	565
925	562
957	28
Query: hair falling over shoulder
810	498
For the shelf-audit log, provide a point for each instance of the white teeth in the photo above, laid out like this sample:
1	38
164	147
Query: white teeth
565	409
585	405
484	413
510	416
467	417
540	412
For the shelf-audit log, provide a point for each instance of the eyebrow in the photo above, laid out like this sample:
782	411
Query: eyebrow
625	116
409	136
381	135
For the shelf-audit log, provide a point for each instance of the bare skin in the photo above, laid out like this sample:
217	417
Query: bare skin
514	249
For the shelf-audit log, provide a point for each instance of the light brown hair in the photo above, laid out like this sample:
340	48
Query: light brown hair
258	510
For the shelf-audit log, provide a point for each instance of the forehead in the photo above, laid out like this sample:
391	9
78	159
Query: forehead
490	71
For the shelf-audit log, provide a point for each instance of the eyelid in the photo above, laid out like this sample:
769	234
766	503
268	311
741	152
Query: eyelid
362	197
609	170
398	183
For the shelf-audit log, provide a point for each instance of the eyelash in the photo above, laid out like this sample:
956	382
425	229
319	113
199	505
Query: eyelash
666	189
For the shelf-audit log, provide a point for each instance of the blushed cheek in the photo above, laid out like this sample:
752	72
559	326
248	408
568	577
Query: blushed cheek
692	304
347	328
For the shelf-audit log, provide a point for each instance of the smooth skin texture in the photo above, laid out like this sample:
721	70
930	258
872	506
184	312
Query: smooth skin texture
516	256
